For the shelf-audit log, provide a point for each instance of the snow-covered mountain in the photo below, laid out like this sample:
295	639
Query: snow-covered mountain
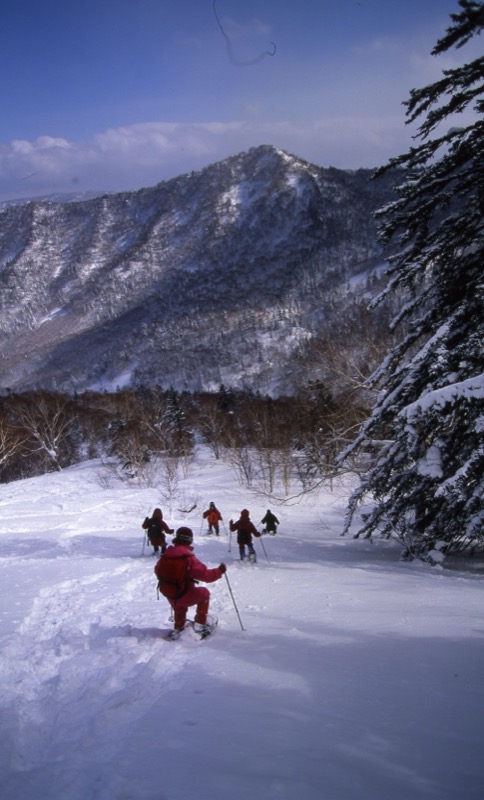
219	276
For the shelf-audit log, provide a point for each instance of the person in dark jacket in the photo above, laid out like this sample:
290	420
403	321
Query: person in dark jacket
271	522
178	561
245	530
156	529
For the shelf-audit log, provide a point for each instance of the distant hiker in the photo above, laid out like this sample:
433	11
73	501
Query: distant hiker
178	571
245	529
213	517
156	528
271	522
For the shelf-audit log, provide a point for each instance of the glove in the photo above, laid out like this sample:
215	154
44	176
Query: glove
257	534
222	568
171	530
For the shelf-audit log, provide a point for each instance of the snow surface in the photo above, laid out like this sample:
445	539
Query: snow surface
357	676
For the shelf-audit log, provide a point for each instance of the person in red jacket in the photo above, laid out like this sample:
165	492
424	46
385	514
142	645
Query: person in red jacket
245	529
156	528
178	572
213	517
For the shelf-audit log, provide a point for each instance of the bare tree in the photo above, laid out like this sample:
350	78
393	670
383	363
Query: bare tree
47	419
13	442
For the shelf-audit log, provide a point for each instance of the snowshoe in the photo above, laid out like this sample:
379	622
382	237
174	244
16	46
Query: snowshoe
205	629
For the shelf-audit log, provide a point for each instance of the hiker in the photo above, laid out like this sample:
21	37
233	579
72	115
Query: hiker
245	528
213	517
178	571
156	528
271	522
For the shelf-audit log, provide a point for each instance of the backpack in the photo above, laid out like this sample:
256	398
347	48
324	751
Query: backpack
155	532
244	536
172	576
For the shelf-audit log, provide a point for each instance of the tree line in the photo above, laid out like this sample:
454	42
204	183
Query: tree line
270	442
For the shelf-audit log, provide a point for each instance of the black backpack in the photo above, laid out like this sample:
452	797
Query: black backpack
154	531
244	536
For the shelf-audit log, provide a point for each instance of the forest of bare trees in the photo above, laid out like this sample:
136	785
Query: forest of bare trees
147	435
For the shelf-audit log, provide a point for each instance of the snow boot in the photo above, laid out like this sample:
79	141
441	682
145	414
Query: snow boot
204	629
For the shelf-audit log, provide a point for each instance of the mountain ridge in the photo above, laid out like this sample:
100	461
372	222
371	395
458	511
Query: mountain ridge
208	278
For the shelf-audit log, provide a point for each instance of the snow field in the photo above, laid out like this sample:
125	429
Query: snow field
356	675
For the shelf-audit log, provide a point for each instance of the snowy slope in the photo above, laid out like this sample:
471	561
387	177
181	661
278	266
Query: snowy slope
356	676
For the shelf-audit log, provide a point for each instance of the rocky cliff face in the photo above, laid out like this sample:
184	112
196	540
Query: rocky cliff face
215	277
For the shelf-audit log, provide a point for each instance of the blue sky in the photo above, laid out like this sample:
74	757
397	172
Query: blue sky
119	94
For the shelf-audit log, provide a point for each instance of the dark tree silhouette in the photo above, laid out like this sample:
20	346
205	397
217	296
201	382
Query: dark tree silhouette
427	483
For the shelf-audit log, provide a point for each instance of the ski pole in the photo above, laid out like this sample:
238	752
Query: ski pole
264	549
145	536
233	601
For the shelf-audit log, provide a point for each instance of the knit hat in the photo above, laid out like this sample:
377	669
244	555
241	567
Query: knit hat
244	513
184	536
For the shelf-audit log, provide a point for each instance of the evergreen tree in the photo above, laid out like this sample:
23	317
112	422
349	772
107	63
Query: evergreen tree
428	481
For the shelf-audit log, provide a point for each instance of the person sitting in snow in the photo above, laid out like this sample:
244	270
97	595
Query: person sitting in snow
271	522
213	517
156	529
245	530
178	571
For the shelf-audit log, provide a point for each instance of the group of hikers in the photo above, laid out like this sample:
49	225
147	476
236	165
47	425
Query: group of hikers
178	569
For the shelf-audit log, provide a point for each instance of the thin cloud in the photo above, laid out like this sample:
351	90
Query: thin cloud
143	154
